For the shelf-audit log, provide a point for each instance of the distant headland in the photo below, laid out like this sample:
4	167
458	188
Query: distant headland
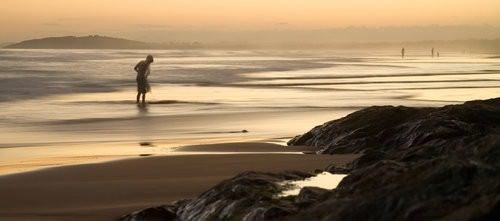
105	42
97	42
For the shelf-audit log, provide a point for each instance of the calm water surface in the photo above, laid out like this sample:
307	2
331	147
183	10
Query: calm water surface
80	103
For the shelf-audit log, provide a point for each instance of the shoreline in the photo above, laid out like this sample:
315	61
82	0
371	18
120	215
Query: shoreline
61	157
77	143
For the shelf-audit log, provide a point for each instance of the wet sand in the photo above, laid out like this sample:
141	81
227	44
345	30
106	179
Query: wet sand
91	141
104	191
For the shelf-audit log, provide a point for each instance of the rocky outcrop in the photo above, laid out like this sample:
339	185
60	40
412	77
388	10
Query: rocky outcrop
406	134
444	187
161	213
415	164
250	196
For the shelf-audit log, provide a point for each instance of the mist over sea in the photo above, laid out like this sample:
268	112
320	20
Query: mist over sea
62	98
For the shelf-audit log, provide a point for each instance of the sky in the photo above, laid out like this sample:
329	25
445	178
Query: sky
164	20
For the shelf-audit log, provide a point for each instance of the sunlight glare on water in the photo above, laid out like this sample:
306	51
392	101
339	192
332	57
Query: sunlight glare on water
323	180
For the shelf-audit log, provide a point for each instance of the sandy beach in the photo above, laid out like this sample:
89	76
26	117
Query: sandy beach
104	191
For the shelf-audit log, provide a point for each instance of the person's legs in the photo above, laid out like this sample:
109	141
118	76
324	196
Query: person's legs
138	96
143	98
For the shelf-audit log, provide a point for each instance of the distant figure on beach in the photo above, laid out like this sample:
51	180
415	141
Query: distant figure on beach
143	71
437	54
432	52
402	52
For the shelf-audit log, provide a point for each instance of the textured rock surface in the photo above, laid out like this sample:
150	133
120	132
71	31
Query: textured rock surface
161	213
249	196
392	129
416	164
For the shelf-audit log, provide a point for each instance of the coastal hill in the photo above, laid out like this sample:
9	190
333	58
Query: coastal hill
104	42
3	44
95	42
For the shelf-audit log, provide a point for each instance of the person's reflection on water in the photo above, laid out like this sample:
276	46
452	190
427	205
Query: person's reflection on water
143	110
143	70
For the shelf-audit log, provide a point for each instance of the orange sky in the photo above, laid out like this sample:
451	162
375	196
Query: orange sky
27	18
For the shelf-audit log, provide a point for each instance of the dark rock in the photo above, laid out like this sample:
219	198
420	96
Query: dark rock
437	189
371	177
249	194
146	144
369	157
397	130
310	195
420	164
269	213
161	213
316	171
349	134
335	169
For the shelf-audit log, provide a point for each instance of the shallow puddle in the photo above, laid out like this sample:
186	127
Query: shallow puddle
323	180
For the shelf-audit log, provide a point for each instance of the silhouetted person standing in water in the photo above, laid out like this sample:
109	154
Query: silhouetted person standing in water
432	52
143	71
402	52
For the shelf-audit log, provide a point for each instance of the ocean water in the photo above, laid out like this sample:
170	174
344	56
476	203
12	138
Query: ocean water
81	103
